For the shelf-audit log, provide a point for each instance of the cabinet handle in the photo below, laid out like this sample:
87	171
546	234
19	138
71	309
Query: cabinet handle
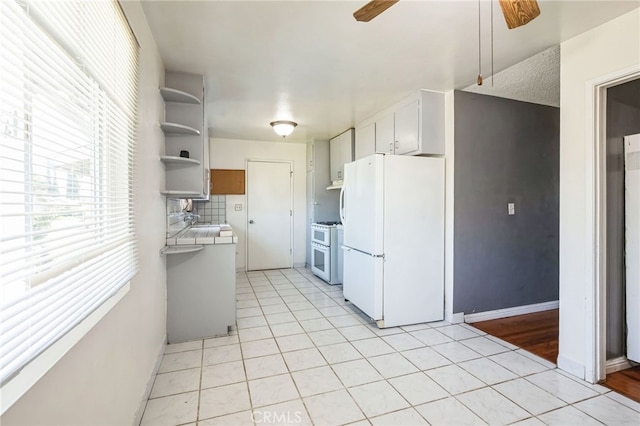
251	221
339	174
390	146
396	145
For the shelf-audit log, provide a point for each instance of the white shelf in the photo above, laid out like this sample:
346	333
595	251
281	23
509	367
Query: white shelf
178	129
180	194
178	160
175	95
181	249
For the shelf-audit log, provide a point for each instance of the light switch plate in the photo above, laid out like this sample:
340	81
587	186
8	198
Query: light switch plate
511	208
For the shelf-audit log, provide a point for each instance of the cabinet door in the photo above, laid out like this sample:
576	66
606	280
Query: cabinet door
310	152
385	135
407	124
365	141
346	151
334	159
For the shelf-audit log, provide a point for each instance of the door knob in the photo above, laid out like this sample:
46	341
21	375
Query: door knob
251	221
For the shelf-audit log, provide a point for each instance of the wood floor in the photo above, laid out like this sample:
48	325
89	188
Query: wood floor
538	334
626	382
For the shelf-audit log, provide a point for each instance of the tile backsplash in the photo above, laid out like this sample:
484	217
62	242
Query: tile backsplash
175	216
212	211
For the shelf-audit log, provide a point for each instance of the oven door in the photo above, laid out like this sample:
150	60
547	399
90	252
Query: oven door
320	234
321	261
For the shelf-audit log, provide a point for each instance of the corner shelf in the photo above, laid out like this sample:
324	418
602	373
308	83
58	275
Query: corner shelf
178	129
180	194
178	160
175	95
181	249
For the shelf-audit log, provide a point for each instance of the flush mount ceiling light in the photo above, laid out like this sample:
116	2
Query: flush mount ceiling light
283	127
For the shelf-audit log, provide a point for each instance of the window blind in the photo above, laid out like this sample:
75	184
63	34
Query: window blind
68	86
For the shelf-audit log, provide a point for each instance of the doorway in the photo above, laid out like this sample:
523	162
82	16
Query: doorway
622	119
616	106
269	215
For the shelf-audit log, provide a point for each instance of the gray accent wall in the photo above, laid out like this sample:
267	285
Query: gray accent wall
623	118
505	151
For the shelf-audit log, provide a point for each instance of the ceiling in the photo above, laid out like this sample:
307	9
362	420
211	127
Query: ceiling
311	62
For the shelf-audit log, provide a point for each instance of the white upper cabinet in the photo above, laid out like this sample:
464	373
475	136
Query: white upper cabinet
407	128
385	139
340	153
413	126
365	141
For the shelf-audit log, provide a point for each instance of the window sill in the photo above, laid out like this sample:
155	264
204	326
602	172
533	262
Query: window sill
17	386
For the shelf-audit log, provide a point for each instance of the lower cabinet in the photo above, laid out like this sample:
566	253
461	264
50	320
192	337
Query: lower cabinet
201	293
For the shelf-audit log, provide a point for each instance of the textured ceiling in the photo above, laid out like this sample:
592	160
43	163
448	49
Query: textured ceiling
535	80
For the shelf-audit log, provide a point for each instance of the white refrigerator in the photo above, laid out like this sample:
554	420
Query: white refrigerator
392	209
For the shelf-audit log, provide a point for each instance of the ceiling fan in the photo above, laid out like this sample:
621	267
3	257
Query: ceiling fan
516	12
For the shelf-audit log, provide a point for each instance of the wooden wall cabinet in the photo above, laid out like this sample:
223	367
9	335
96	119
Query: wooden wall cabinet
227	182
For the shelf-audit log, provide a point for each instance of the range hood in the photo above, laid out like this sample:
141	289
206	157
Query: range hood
336	184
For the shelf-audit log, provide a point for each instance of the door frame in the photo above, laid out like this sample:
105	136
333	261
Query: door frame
596	209
291	206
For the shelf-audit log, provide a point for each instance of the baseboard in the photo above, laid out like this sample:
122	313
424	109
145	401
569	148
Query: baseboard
299	265
511	312
572	367
143	402
617	364
457	318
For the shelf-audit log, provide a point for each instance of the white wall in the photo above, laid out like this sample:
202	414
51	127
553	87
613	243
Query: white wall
103	379
606	49
233	154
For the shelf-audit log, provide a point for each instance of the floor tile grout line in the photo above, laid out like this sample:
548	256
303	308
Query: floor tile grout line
395	350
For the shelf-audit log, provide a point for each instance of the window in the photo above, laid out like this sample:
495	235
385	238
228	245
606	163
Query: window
68	73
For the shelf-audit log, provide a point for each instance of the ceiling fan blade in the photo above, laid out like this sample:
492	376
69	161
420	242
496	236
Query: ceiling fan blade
519	12
372	9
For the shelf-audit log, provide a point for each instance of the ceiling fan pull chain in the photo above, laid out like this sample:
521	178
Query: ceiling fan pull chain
479	49
492	43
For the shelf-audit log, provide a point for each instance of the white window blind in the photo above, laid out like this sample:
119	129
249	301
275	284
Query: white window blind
68	85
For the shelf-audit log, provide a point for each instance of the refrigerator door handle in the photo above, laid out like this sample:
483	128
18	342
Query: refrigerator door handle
341	210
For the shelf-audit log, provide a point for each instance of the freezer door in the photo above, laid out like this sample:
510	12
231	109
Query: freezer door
363	204
362	282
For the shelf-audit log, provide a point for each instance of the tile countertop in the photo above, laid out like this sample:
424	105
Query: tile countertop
204	234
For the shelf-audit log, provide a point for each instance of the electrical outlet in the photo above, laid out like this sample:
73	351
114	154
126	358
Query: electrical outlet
511	208
238	207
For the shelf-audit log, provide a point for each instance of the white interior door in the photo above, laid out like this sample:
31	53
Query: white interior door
632	244
269	215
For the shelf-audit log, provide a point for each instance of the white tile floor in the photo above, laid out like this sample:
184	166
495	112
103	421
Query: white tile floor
302	355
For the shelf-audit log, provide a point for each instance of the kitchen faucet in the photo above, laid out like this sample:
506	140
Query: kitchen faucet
191	218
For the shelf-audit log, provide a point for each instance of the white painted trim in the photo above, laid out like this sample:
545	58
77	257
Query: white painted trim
145	397
511	312
449	154
572	367
14	389
457	318
595	208
617	364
